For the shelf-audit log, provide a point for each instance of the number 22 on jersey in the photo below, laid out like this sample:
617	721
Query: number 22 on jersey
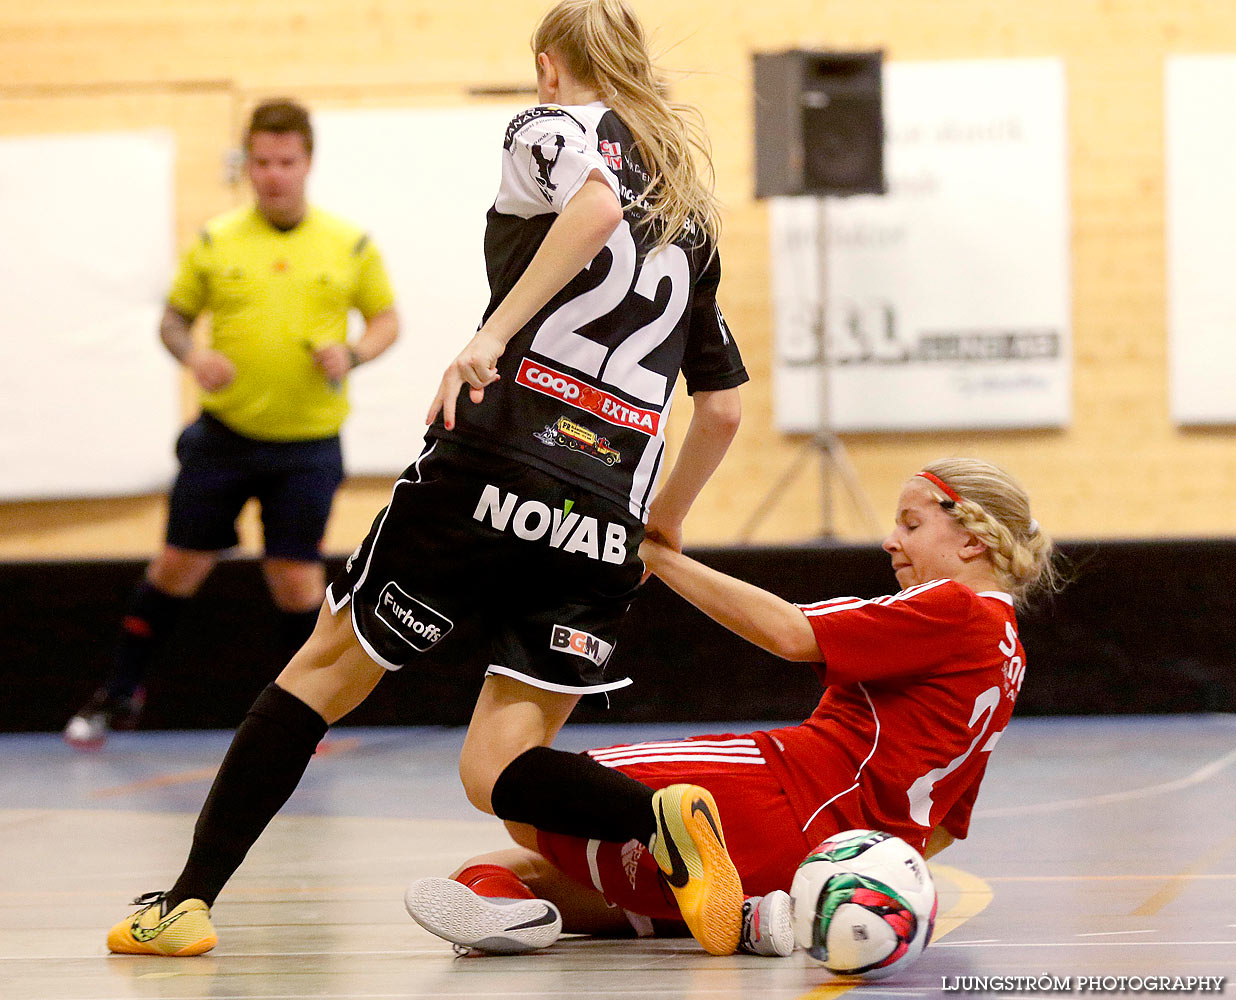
559	338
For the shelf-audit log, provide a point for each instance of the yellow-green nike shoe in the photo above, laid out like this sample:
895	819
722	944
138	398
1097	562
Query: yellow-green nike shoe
184	930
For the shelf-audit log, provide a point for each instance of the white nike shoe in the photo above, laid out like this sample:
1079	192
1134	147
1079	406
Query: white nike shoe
767	926
455	913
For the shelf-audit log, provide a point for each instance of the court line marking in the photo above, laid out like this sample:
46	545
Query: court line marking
1203	773
1177	883
344	745
974	896
1149	930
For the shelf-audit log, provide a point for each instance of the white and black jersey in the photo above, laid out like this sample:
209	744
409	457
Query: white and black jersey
586	385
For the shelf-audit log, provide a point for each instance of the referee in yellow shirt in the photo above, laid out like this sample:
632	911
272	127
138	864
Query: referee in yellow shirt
278	279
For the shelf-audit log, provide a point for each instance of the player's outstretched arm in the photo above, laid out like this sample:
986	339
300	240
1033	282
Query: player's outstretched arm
578	234
714	422
758	616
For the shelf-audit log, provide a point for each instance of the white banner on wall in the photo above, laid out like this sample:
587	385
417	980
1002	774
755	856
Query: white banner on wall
420	181
947	299
88	398
1200	133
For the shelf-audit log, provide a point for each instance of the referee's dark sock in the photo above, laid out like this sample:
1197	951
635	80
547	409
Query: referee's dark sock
263	766
151	617
571	793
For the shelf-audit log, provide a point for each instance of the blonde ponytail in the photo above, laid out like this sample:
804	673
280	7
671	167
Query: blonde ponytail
603	46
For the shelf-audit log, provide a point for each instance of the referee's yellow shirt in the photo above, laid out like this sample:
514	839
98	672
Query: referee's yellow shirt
274	297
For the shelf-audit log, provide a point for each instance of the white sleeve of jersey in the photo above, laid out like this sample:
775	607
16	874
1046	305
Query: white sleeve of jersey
546	158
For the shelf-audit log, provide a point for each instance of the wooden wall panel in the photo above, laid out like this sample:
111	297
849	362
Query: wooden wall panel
1120	470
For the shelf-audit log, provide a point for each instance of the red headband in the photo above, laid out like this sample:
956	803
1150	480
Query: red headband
947	490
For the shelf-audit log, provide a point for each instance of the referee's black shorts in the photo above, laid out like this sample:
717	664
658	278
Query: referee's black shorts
479	548
220	470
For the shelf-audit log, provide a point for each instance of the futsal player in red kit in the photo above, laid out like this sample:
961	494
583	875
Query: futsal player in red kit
919	687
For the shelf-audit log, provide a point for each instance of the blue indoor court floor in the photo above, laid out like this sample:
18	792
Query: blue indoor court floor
1100	847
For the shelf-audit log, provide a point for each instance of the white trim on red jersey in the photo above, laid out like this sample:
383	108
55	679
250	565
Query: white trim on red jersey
857	774
594	847
849	603
999	595
742	750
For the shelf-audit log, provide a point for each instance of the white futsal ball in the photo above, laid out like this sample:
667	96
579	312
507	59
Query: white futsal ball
864	904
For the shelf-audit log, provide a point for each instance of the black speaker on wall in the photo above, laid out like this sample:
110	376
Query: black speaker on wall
819	123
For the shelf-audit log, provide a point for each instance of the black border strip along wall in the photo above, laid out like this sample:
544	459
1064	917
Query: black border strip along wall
1146	626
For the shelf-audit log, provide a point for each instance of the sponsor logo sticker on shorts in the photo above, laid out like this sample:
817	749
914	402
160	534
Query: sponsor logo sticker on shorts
577	643
565	529
414	622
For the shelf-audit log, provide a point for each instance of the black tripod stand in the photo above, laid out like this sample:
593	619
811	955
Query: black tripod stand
834	461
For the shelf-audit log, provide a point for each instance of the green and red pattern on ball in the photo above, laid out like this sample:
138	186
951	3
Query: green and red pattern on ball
874	896
846	850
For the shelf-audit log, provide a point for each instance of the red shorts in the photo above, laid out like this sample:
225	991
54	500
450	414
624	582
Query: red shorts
763	837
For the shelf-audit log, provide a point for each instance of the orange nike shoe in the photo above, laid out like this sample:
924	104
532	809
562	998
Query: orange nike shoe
690	849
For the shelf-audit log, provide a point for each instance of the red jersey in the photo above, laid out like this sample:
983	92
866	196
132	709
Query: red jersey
920	686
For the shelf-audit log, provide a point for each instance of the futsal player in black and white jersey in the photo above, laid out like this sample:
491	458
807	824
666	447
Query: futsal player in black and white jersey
520	523
586	383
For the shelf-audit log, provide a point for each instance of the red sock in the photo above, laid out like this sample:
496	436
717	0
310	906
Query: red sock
495	882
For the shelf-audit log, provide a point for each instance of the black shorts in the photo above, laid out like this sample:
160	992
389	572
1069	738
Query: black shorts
220	470
480	549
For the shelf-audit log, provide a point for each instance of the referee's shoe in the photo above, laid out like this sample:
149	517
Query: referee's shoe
690	849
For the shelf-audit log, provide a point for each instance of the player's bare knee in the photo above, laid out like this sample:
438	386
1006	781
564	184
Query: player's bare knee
295	586
180	572
478	781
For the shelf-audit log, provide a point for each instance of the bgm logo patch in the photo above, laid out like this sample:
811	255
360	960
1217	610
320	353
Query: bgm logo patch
415	623
577	643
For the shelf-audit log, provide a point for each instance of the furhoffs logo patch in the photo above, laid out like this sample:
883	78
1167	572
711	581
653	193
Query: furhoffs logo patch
415	623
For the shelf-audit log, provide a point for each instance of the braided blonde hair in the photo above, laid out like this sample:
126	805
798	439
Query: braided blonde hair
995	508
602	44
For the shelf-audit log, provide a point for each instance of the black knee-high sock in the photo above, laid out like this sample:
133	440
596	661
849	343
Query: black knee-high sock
150	619
263	766
571	793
